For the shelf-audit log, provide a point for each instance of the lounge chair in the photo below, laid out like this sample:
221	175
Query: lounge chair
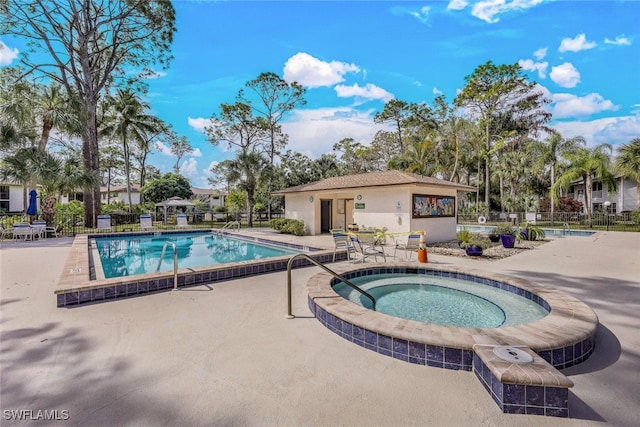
146	223
22	230
39	228
410	246
104	222
342	242
181	220
4	232
366	246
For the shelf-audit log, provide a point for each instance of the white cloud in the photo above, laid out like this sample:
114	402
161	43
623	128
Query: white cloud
610	130
189	168
457	4
312	72
422	15
437	91
369	91
207	171
163	149
577	44
619	40
565	75
315	131
196	153
568	105
7	55
199	123
540	53
530	65
488	9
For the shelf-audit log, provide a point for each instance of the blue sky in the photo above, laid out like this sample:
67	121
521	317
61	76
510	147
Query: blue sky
354	56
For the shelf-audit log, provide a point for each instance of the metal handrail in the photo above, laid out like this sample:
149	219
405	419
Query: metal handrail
566	229
328	270
175	262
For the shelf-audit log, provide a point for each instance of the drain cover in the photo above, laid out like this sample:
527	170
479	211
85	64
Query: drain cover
513	354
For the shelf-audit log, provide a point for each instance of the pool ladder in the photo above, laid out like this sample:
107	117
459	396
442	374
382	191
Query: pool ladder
175	262
566	230
328	270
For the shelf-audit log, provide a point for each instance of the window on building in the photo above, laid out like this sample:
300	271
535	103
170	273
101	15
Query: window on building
596	186
4	198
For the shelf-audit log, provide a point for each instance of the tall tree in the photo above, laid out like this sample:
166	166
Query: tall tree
128	121
396	113
237	126
502	100
276	99
246	170
550	153
91	43
179	146
627	163
587	165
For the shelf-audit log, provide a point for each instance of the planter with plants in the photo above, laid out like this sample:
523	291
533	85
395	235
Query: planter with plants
531	232
463	236
493	236
475	244
508	234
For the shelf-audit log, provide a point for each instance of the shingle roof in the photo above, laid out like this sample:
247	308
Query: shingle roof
373	179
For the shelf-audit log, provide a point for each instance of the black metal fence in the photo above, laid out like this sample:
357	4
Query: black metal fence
71	224
625	221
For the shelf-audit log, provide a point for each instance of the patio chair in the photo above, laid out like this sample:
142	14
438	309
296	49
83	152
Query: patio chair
39	228
4	232
104	223
410	246
181	220
22	230
342	242
367	247
146	223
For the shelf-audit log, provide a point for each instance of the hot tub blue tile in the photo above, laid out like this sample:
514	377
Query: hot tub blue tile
535	410
143	287
371	337
435	353
556	397
109	292
132	289
400	346
535	395
453	355
71	298
121	291
417	349
514	394
558	356
546	355
514	409
358	333
385	342
496	388
556	412
97	294
385	351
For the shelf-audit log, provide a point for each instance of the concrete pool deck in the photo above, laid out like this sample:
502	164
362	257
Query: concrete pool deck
224	354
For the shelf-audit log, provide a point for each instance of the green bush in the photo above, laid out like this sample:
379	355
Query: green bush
288	226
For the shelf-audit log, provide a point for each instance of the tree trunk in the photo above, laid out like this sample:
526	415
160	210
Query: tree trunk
587	199
92	164
551	198
487	175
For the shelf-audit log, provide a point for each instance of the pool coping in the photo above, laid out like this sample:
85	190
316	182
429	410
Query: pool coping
76	286
563	338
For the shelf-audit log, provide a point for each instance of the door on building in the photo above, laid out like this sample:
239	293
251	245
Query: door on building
325	216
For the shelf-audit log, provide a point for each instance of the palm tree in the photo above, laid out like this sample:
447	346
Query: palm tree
585	166
551	151
247	169
127	120
628	163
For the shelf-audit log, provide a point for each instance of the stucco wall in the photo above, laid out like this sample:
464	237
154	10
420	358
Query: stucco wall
298	207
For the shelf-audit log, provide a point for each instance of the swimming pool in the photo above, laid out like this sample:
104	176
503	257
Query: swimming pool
82	280
443	301
563	338
130	255
548	231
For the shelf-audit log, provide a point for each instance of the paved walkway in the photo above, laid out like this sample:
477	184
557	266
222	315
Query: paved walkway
224	354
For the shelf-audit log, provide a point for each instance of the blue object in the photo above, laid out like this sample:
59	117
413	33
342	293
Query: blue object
33	203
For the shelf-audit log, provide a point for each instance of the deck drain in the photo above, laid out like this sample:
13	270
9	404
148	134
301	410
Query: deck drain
513	354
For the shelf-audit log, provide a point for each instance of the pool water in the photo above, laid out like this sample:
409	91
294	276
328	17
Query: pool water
131	255
442	300
547	231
